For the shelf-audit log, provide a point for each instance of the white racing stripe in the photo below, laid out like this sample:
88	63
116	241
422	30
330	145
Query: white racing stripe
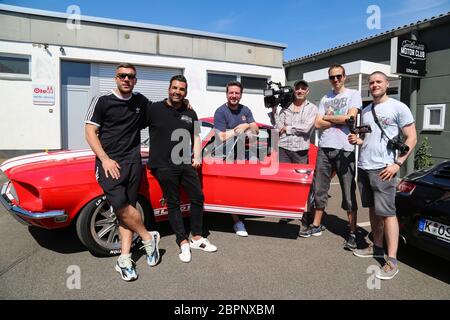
41	157
252	211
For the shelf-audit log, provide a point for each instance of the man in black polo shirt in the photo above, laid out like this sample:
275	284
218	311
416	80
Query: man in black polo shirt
173	128
113	124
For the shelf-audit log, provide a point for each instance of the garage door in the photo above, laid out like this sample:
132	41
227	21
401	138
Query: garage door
152	82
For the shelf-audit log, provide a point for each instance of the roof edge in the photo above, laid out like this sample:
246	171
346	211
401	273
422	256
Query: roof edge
142	25
421	24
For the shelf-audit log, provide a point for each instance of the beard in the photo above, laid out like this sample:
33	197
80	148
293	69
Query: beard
378	94
125	90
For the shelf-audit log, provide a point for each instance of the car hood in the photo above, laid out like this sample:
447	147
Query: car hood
42	160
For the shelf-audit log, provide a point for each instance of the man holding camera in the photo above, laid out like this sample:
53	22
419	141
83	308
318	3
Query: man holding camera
295	124
380	159
335	153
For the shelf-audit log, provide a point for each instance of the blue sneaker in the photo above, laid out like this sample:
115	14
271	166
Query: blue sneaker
125	267
311	231
151	249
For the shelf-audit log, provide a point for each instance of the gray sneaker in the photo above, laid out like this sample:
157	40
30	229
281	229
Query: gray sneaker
388	271
350	243
311	231
368	252
151	249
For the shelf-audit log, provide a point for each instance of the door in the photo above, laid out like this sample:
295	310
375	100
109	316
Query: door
254	183
76	100
76	95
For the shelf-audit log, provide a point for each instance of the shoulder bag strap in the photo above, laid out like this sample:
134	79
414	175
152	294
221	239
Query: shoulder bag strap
375	118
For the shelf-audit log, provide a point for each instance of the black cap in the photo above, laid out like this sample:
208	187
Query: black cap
303	82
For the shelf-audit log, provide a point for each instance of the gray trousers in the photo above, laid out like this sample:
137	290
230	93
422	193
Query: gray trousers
343	163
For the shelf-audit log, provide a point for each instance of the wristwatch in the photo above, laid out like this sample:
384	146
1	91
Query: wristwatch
398	163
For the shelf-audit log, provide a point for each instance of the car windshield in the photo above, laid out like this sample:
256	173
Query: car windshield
205	129
246	146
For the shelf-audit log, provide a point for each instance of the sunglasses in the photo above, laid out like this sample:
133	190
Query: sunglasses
122	76
338	76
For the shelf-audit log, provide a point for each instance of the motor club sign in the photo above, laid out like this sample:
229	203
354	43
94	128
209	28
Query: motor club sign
408	57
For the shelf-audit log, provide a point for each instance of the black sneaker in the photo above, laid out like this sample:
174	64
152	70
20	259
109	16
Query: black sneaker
350	243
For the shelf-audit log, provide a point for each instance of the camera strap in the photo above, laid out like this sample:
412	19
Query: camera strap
375	118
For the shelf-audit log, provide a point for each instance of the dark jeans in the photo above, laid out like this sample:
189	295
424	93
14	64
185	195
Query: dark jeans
288	156
170	179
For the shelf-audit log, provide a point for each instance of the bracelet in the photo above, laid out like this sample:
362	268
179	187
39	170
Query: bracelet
398	163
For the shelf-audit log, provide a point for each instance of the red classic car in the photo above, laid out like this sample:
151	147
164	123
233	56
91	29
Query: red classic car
56	189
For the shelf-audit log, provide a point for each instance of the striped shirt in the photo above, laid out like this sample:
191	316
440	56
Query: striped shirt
299	126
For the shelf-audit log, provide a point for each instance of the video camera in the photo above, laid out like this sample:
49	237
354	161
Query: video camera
357	130
284	96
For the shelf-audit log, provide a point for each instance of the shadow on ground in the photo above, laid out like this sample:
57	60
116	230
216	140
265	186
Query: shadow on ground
425	262
255	226
63	240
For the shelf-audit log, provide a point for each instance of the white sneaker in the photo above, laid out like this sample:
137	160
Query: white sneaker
239	228
125	266
185	254
203	244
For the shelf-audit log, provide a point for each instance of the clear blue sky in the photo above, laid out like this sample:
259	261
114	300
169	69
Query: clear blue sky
306	26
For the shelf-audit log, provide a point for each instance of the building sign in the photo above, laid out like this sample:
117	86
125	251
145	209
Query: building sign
43	94
408	57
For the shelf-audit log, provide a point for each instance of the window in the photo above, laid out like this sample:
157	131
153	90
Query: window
434	117
75	73
219	80
15	66
252	84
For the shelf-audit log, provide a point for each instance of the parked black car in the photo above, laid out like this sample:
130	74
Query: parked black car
423	209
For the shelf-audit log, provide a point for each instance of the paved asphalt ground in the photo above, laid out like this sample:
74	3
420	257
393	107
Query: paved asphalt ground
272	263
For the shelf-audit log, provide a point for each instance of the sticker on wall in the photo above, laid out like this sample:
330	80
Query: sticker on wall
43	94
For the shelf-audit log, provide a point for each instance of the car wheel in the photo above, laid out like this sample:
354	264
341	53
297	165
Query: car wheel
98	227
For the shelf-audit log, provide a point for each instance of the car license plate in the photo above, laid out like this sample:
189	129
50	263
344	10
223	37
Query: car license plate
437	229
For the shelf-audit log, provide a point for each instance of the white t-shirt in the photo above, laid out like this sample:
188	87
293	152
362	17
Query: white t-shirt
392	115
336	136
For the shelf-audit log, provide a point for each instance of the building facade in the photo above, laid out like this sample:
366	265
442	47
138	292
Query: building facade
428	96
52	66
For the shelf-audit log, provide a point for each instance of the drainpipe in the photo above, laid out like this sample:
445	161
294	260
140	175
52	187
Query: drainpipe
413	107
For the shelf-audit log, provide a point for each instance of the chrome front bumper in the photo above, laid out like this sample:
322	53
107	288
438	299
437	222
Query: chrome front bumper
19	213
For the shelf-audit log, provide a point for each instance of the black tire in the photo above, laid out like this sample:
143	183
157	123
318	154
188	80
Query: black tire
98	228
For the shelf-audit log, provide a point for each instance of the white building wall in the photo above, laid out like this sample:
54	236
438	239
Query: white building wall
30	127
24	125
